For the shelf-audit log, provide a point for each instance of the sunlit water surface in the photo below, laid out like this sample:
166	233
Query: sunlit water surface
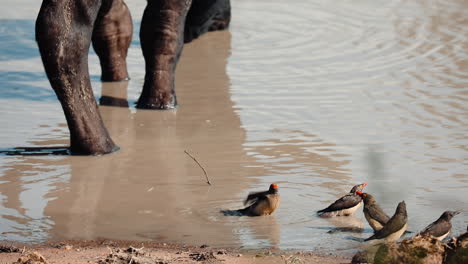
314	95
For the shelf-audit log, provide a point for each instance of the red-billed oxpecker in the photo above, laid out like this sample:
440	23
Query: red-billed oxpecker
261	203
346	205
375	216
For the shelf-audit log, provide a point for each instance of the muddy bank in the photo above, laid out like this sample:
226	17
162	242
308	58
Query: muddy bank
418	249
107	251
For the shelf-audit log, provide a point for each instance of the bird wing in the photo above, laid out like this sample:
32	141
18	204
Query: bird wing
257	206
393	225
437	229
345	202
377	214
253	197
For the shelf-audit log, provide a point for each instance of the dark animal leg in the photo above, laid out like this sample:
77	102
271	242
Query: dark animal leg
161	36
63	34
206	15
111	38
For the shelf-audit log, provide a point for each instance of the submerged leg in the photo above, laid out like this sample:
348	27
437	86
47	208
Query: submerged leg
63	34
206	15
111	38
161	36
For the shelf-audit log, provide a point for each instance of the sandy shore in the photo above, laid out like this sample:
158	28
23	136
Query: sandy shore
105	251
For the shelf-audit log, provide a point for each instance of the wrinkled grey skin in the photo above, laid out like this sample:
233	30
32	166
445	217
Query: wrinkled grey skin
65	30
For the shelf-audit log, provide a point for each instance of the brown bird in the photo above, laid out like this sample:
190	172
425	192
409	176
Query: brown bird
394	228
260	203
346	205
375	216
441	227
462	240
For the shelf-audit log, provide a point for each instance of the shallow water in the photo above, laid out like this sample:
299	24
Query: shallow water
312	95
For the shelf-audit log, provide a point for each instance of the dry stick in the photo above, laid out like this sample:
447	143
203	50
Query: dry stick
111	251
204	171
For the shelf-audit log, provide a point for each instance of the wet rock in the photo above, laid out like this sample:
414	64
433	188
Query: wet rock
61	245
457	256
133	250
9	249
32	258
58	245
130	255
360	258
203	256
222	252
458	251
417	250
294	260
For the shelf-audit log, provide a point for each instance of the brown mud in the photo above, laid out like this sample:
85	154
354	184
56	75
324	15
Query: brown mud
107	251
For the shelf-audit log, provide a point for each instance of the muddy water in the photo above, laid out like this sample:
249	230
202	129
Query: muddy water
314	96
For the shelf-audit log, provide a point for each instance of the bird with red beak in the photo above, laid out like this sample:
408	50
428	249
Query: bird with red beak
375	216
259	203
346	205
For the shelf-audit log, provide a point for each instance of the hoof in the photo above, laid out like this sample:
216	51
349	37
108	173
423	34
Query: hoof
156	106
93	152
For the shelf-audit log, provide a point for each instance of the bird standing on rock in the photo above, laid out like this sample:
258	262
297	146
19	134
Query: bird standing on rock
261	203
346	205
441	227
375	216
394	228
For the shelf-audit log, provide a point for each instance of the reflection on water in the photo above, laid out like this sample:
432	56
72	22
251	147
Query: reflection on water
314	96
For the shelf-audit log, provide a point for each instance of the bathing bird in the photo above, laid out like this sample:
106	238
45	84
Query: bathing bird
394	228
259	203
441	227
346	205
375	216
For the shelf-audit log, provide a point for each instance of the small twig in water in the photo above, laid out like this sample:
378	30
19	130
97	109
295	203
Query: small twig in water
204	171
